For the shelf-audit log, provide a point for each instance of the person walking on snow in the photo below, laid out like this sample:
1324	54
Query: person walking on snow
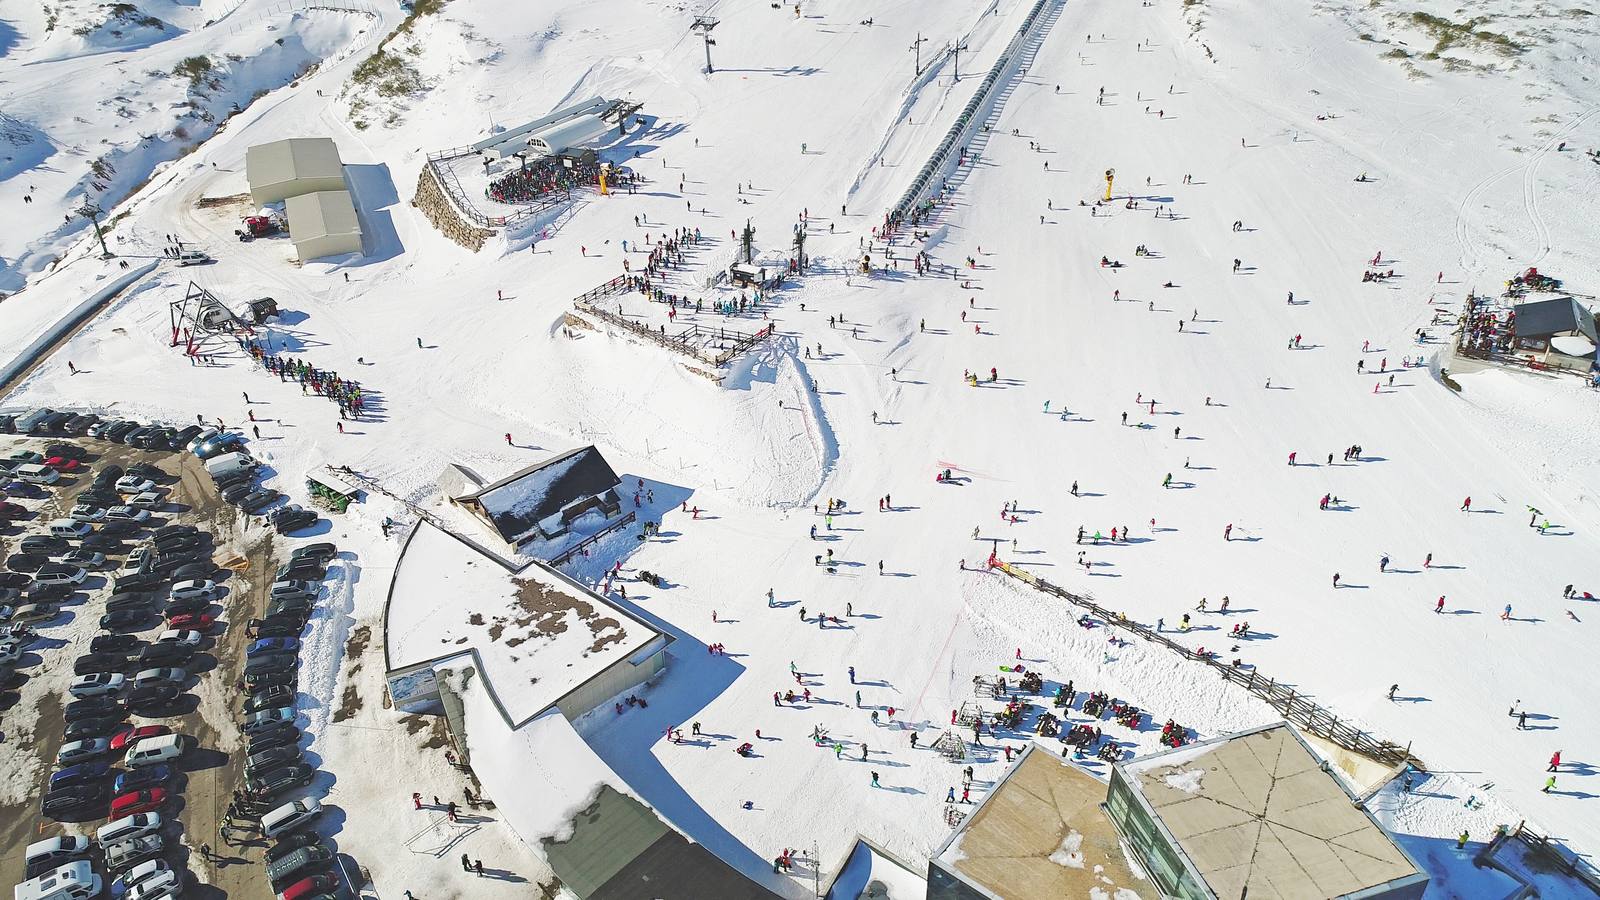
1555	762
1439	607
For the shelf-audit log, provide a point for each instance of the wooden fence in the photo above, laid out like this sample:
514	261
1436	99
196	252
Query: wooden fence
1311	717
688	342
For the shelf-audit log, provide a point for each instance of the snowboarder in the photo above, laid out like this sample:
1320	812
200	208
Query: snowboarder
1549	785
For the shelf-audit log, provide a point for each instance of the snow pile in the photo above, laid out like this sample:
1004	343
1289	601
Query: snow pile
1070	853
1185	780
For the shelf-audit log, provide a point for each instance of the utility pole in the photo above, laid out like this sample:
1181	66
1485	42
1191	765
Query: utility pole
916	47
703	26
93	213
957	50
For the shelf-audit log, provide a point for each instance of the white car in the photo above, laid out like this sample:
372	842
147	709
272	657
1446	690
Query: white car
127	514
158	887
135	560
170	675
128	827
133	484
194	589
139	875
148	500
88	559
97	685
86	513
182	636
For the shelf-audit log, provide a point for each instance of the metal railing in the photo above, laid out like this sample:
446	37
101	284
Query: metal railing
933	171
679	342
1309	716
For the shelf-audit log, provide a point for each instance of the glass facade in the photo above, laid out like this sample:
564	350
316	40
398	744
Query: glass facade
944	886
1161	860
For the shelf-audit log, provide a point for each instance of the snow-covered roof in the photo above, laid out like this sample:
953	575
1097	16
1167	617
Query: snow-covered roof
1254	811
516	504
537	636
320	214
870	871
292	159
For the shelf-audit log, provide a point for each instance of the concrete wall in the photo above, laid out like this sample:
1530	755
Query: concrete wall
272	193
621	677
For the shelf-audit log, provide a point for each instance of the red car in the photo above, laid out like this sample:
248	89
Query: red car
138	801
192	621
62	464
127	734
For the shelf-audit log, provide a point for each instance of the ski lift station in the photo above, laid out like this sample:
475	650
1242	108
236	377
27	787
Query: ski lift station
560	132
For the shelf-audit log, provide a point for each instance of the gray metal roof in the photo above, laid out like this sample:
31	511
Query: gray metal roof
1562	315
291	159
320	214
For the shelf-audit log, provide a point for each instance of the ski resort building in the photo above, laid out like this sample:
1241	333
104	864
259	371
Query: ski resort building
1038	835
1254	814
1559	328
533	639
291	167
323	223
561	500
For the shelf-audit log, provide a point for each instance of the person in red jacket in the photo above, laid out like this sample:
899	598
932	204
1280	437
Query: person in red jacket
1555	762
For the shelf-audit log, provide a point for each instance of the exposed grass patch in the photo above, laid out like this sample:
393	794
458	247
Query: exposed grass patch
388	75
194	68
1447	34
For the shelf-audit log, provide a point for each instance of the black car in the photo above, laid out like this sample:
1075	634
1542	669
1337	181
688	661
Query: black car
305	568
269	698
152	696
130	600
233	476
270	662
233	493
195	571
44	593
90	707
264	784
15	580
118	433
255	681
136	435
26	562
291	842
43	544
267	760
73	800
165	654
321	550
186	605
286	735
137	581
115	643
154	473
105	543
119	527
179	543
66	451
295	522
92	727
125	619
166	565
259	500
295	605
167	531
11	679
276	626
91	663
182	438
108	473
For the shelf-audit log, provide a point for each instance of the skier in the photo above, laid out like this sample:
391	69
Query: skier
1506	616
875	779
1466	505
1439	607
1555	762
1291	457
508	439
1336	579
1383	563
1392	689
1427	563
1227	533
1522	720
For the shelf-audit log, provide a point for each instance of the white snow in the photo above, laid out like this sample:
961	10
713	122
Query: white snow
866	867
1070	853
1186	780
1469	184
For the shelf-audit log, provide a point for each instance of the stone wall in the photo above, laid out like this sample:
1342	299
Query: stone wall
431	199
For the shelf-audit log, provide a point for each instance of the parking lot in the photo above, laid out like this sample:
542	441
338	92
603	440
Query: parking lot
242	554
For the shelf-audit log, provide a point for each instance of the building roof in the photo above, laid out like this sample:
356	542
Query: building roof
537	635
619	850
569	135
291	159
871	871
1561	315
516	504
1255	814
319	214
1040	835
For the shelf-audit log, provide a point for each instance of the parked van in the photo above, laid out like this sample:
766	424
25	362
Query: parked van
69	528
73	881
28	423
192	258
289	816
229	461
152	750
33	473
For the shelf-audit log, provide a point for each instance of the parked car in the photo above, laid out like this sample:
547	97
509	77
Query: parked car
82	773
284	735
275	626
35	613
129	619
294	867
179	607
264	646
198	621
132	735
11	650
233	493
290	606
26	562
128	514
272	759
139	875
168	884
290	816
128	828
269	698
84	558
165	655
104	542
148	472
148	500
73	801
291	842
176	529
134	484
64	465
97	685
153	751
255	681
195	571
182	636
92	727
90	707
130	600
60	573
91	663
167	675
146	697
184	590
67	451
115	643
258	500
270	662
85	512
51	853
46	544
144	800
134	779
303	568
129	852
74	752
294	521
266	718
